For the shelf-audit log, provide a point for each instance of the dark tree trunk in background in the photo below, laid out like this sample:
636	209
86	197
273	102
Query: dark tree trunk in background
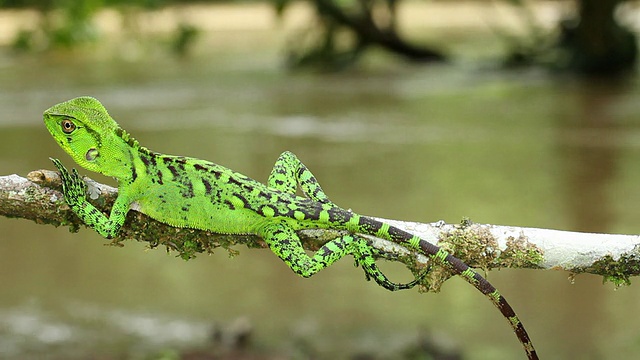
370	33
596	43
370	22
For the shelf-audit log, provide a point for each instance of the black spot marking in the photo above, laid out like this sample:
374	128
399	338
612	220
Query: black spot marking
180	162
152	158
173	170
326	251
245	203
159	177
145	159
342	244
188	191
166	160
264	195
96	135
134	174
207	186
272	207
234	181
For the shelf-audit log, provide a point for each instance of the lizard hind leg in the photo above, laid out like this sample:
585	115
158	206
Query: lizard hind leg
289	172
285	243
364	257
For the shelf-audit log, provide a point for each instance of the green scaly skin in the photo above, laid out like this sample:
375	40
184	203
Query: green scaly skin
192	193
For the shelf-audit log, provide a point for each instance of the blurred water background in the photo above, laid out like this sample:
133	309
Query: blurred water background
391	139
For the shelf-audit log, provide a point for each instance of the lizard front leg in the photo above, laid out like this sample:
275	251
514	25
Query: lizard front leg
74	190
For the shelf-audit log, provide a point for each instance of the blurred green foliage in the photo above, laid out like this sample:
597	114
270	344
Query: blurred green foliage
589	41
67	23
53	4
77	26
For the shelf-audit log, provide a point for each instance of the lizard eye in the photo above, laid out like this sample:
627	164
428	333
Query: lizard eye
67	126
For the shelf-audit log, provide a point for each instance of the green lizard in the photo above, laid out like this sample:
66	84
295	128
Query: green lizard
192	193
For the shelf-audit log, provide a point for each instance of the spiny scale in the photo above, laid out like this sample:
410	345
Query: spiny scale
192	193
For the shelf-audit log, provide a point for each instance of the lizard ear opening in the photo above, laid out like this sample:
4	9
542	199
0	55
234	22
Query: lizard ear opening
92	154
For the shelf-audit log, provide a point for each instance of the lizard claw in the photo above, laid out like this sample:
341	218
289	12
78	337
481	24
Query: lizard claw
73	187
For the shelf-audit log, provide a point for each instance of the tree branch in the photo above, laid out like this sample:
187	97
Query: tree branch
615	257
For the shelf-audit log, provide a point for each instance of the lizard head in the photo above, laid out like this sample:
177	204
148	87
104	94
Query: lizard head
83	128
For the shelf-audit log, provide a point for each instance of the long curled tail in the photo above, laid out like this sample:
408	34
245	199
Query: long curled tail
485	287
383	230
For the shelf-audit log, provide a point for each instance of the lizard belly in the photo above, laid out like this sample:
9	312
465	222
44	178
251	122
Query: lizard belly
197	213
